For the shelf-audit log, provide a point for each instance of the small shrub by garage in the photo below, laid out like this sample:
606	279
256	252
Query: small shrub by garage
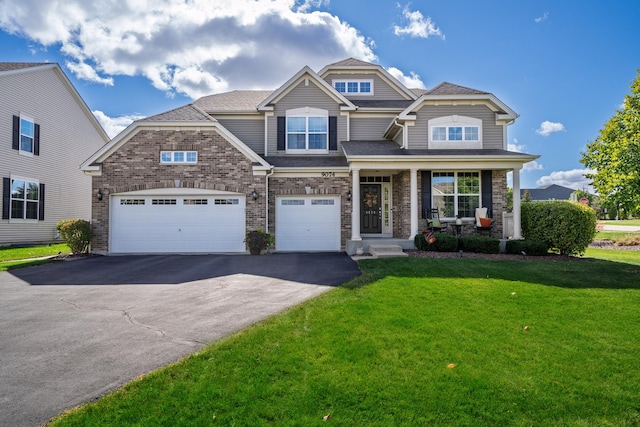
444	243
565	226
479	244
76	233
529	247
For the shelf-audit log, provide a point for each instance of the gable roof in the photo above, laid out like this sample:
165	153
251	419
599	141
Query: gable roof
293	81
446	88
350	62
14	68
186	113
549	192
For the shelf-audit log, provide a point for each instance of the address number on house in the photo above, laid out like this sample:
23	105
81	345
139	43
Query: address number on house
328	174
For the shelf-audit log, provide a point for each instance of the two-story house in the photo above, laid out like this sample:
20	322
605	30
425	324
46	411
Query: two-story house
46	132
327	162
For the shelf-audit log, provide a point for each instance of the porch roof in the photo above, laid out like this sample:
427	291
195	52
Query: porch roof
307	161
391	149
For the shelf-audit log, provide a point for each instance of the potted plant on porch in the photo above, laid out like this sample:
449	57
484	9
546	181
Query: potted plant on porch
258	240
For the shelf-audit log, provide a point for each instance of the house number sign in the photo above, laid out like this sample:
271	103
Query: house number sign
328	174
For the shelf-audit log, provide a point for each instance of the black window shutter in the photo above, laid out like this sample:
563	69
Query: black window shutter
282	123
426	193
15	142
333	133
487	191
6	197
41	204
36	140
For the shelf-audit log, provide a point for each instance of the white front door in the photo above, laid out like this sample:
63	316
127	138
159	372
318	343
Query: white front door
308	223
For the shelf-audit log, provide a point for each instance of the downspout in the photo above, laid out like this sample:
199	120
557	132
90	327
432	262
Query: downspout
266	197
404	133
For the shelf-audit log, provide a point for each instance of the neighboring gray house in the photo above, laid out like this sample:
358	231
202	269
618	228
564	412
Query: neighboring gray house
549	192
331	160
46	132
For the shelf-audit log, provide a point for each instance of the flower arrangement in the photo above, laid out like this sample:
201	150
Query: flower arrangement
258	240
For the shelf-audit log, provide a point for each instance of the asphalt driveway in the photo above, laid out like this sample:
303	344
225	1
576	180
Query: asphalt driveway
72	331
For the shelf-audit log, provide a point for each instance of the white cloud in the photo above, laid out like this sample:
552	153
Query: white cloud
573	179
417	26
412	81
193	47
547	128
544	17
114	125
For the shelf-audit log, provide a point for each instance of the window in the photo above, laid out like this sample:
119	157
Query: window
307	133
25	197
188	157
132	201
463	132
226	201
163	201
195	202
322	202
26	136
456	193
354	87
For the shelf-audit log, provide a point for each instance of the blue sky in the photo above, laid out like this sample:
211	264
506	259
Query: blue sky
564	66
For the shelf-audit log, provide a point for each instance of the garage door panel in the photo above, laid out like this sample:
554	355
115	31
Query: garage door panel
309	223
156	225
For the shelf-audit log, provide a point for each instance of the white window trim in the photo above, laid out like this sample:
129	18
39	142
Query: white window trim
455	121
346	83
306	112
33	141
173	162
23	219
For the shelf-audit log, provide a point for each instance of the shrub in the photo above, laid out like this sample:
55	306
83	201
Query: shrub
76	233
564	226
627	241
479	244
444	243
529	247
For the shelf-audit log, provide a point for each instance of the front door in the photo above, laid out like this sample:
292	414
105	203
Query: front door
371	208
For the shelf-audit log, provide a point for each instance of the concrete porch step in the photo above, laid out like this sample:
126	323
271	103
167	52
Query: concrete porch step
386	251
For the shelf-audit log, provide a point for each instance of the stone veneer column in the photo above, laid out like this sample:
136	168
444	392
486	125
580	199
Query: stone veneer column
355	203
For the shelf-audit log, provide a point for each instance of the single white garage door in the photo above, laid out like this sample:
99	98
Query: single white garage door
308	223
177	223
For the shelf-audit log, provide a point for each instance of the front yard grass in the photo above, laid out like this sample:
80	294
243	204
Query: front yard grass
16	257
417	342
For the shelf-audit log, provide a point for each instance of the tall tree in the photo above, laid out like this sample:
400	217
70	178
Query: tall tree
615	155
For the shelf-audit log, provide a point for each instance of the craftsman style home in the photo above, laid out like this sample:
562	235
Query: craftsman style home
46	132
329	161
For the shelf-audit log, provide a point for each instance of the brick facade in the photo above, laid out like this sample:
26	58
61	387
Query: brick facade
136	166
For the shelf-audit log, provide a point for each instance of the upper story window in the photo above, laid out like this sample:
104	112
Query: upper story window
307	130
179	157
354	87
26	136
455	132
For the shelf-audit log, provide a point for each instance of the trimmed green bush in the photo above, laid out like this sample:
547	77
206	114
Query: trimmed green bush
444	243
529	247
479	244
76	233
566	227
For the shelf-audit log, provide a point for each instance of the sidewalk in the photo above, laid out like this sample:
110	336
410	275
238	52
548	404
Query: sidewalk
609	227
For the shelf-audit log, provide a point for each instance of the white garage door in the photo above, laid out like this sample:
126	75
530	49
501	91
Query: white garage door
306	223
177	224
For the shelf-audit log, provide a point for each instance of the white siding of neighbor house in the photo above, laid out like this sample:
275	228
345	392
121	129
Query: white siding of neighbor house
67	138
369	128
492	134
381	89
305	96
249	131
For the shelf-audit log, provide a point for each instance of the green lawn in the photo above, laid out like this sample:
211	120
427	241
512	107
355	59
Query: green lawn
16	257
621	222
452	342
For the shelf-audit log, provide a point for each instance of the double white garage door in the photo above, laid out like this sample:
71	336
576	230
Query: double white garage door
205	223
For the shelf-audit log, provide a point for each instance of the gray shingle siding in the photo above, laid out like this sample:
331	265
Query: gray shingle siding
369	127
249	131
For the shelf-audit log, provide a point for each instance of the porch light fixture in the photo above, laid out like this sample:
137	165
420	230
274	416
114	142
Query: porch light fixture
307	189
254	194
176	182
99	195
349	195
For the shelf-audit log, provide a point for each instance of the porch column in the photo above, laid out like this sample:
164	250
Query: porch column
517	223
355	205
414	203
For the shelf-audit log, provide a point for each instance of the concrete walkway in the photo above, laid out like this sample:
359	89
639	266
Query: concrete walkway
73	331
629	228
